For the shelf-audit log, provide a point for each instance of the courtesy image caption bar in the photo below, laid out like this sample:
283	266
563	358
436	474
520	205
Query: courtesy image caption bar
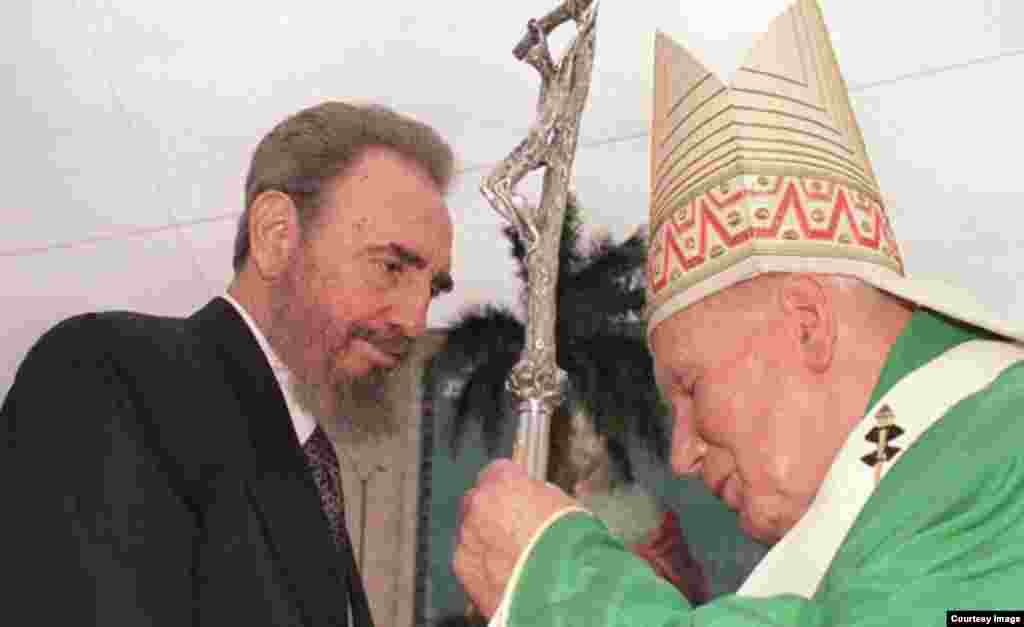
984	617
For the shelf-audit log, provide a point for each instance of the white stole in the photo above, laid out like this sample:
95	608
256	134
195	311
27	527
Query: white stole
798	562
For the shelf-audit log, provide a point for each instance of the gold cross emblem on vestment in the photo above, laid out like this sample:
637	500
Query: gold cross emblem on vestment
885	431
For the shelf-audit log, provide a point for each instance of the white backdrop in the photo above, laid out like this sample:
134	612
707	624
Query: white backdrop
130	123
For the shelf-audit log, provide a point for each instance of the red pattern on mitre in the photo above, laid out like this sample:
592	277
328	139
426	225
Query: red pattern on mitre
767	174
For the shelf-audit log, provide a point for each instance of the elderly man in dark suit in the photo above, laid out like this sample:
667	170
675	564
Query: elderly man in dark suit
164	470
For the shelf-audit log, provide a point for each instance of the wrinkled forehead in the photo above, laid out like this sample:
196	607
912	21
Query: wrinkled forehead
404	209
679	330
708	329
431	235
672	345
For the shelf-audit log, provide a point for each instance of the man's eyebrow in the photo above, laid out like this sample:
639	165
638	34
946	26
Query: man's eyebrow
405	255
442	281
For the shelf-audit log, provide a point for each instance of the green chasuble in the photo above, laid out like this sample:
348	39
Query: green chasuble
943	530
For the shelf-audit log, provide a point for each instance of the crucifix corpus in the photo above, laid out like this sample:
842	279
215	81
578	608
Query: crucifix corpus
536	381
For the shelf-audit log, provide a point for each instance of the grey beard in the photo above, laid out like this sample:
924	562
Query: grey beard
356	410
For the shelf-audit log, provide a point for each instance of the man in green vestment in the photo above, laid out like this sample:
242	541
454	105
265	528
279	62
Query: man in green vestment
866	425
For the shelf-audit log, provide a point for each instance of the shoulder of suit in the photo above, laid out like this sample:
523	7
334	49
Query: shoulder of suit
159	365
114	332
148	353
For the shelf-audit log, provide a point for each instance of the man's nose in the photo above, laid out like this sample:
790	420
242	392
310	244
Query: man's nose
688	450
409	310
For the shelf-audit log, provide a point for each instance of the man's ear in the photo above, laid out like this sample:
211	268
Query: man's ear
809	306
273	233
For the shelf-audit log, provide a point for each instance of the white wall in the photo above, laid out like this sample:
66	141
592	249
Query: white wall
130	122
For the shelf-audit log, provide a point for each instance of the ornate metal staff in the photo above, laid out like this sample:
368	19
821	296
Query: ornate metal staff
536	381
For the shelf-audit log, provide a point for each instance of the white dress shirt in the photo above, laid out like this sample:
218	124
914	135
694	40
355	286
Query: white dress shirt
302	420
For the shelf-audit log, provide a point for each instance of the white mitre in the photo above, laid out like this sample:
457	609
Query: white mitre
770	174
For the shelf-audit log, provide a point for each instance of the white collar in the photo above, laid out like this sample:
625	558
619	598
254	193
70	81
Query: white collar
303	422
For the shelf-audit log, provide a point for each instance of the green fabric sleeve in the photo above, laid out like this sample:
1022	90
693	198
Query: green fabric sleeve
946	533
580	575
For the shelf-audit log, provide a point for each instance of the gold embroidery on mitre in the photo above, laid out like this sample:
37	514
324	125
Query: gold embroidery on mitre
772	165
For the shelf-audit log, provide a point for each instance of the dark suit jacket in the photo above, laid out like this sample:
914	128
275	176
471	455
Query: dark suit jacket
157	480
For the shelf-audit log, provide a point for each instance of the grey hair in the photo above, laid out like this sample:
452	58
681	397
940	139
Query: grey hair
309	149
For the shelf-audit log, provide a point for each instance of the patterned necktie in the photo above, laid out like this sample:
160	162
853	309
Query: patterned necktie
323	463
